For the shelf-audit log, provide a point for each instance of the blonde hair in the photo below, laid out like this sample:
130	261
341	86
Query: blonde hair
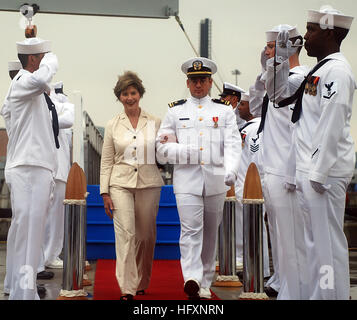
126	80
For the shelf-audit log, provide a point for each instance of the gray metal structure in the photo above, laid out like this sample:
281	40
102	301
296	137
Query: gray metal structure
253	275
93	143
74	248
121	8
227	239
206	38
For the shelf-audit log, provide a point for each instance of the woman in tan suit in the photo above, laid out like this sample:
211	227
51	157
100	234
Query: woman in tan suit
130	184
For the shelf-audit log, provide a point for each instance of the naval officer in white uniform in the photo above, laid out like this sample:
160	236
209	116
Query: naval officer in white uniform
200	136
325	152
233	94
31	164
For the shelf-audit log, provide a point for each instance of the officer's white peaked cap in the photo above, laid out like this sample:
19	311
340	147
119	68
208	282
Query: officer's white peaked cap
199	67
230	89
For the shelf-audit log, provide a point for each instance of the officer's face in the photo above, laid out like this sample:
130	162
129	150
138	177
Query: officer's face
130	98
270	49
199	86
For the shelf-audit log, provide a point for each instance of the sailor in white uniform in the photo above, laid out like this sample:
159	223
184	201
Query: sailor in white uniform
31	164
13	68
200	136
324	151
53	241
233	94
285	217
250	153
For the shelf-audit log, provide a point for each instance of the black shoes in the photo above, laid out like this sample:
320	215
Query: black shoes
41	291
127	297
271	293
192	288
45	275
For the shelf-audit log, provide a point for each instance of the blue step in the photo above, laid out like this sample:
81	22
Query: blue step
100	229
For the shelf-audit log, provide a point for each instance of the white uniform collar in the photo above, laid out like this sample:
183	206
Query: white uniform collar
336	56
200	101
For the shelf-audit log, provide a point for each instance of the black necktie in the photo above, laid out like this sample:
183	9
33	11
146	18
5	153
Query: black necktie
298	95
55	126
264	113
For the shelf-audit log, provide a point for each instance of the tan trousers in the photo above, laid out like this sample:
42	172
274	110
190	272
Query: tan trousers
135	212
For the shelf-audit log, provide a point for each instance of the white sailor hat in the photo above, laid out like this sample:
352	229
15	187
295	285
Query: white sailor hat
245	96
58	85
230	89
14	65
199	67
33	46
272	34
328	17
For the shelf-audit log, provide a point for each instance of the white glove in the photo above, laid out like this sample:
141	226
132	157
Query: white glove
229	179
284	47
259	84
319	187
263	59
290	187
168	138
50	59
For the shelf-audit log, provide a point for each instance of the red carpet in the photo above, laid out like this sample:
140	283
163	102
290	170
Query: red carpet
166	282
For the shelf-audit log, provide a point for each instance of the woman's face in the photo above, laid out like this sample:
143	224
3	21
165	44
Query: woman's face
130	98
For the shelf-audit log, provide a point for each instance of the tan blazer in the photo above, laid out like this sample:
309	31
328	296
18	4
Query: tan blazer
128	154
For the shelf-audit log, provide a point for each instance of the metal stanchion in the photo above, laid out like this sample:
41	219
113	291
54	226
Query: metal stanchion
74	236
227	244
253	275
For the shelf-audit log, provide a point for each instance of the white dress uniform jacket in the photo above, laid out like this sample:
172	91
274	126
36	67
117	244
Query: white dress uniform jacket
208	146
250	153
65	112
31	141
324	146
278	126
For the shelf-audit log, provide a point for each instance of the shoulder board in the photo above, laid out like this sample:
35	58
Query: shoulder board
221	101
177	103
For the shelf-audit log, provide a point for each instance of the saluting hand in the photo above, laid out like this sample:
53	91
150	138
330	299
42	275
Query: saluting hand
108	205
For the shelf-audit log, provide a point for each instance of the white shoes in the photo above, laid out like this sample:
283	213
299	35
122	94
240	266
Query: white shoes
205	293
56	264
